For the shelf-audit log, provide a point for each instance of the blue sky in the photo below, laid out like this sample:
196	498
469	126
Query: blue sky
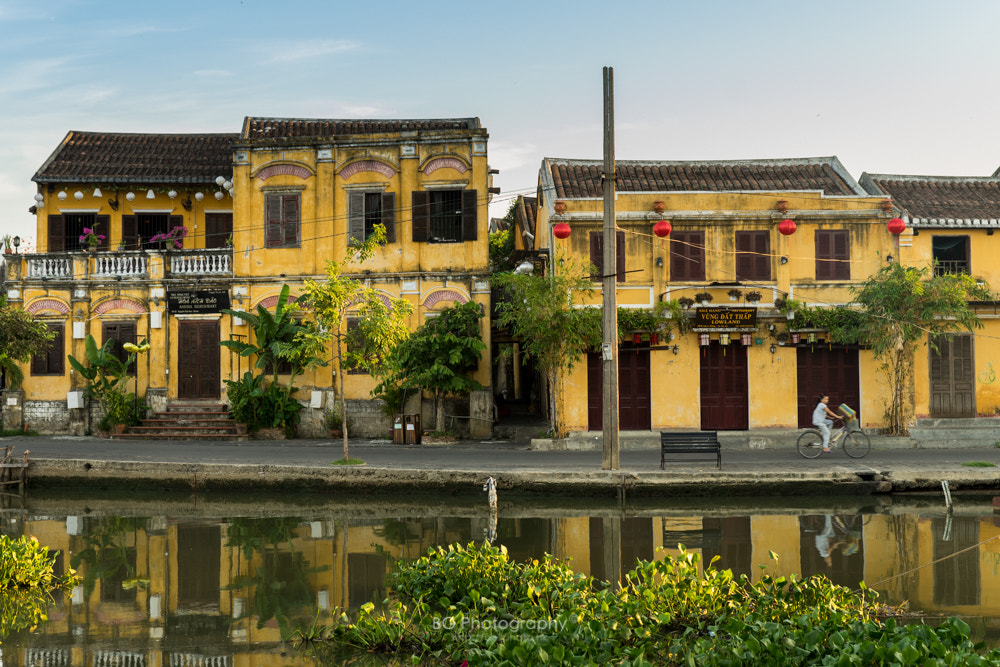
906	87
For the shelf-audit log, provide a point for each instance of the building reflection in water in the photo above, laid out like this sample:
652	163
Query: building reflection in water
214	592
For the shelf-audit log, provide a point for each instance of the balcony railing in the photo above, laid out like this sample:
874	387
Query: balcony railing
123	264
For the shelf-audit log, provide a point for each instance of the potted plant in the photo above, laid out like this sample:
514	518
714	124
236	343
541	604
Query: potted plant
334	422
782	337
753	296
789	307
91	239
686	302
703	298
734	294
7	244
172	239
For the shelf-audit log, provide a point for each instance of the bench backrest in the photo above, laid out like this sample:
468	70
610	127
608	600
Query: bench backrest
705	437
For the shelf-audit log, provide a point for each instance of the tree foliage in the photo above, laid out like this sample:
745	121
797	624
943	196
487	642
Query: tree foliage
257	402
904	306
542	313
107	381
21	337
382	321
438	357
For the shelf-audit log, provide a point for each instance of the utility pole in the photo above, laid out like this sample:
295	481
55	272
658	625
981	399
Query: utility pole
609	283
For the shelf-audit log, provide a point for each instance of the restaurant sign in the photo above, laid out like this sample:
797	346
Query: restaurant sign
208	301
725	318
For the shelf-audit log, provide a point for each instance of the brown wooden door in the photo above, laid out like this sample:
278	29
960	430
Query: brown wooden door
198	370
634	396
821	369
725	400
953	384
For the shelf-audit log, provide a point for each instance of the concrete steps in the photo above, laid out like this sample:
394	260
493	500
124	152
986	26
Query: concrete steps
188	420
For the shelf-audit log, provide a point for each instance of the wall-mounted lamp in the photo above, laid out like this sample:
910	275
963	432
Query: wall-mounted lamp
16	241
659	262
784	260
368	272
888	259
773	348
675	349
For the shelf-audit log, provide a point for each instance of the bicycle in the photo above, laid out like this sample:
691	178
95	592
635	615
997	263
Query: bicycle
855	443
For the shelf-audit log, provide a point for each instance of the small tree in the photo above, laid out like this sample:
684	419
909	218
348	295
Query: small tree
21	337
903	305
381	325
438	357
107	381
542	313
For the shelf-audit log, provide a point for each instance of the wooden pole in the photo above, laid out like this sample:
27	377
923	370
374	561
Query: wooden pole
609	284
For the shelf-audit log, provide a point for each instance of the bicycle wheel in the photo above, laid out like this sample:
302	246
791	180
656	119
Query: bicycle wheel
856	444
810	444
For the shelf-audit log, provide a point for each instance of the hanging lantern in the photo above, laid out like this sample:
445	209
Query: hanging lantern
795	339
896	226
811	337
636	338
703	340
746	339
662	228
561	230
654	339
723	339
787	227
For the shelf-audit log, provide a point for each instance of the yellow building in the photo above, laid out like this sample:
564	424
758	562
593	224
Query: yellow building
252	212
740	246
950	227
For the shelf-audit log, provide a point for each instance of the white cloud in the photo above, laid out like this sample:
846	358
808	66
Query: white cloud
293	51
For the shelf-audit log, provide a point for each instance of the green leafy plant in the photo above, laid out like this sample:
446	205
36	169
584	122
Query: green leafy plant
21	337
980	464
107	382
27	581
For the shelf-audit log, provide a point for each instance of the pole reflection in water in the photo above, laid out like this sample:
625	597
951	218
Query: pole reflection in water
205	584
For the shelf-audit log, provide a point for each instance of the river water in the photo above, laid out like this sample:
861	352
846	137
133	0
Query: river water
202	582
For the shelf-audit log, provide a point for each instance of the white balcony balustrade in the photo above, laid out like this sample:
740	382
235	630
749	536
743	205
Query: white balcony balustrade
119	264
201	262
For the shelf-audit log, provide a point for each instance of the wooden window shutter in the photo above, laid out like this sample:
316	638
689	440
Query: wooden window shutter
356	217
291	219
389	216
102	225
824	254
272	225
421	216
57	233
470	215
39	362
130	231
597	254
218	227
842	255
620	256
753	255
57	352
687	256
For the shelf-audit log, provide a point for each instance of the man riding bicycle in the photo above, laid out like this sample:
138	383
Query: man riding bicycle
820	419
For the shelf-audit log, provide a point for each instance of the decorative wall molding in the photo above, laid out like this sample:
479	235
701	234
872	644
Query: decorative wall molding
444	295
130	305
270	302
445	163
367	165
282	170
48	306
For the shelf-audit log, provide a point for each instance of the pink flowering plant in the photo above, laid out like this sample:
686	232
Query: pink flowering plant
175	237
91	237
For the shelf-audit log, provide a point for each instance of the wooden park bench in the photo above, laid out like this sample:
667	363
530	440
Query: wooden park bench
689	442
12	472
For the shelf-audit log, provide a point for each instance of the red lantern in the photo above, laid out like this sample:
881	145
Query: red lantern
896	226
561	230
662	228
786	227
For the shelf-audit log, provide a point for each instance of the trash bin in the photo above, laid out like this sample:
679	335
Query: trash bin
411	427
398	437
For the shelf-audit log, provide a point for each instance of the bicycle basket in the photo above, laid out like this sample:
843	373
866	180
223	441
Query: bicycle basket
852	425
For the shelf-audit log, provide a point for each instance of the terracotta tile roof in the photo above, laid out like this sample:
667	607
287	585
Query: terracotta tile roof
525	212
100	157
940	201
582	178
289	128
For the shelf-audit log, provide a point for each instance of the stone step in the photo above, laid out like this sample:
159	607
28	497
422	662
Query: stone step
188	420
